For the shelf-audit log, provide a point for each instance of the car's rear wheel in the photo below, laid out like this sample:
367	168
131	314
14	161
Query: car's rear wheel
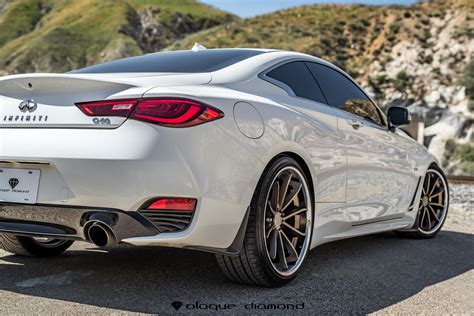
279	228
33	247
433	206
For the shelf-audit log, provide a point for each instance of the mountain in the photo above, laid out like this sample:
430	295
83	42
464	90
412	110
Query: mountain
419	56
60	35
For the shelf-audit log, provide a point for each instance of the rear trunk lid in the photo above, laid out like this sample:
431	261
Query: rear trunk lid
49	100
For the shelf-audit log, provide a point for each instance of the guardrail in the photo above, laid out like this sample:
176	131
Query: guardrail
460	179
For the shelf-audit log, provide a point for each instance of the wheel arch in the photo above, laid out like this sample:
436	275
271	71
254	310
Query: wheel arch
304	165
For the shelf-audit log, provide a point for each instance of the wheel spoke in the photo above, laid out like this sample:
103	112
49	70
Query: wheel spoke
293	253
433	212
429	218
295	212
281	252
428	184
270	231
441	191
423	216
434	186
294	229
437	204
275	196
296	188
284	189
273	244
271	208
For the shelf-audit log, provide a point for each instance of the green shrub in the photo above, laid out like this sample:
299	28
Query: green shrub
365	22
449	147
467	80
394	28
466	152
467	168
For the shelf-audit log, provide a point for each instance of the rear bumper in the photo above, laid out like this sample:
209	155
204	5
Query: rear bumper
69	222
119	170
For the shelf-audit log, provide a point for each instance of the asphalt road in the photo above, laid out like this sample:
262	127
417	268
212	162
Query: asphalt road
380	273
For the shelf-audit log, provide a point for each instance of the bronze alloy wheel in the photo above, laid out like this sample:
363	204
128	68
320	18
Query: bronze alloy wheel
279	228
288	215
434	203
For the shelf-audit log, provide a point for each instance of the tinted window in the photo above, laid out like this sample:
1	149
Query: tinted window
343	94
179	61
298	77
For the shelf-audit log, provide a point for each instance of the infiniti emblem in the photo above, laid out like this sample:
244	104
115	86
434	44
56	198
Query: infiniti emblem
28	106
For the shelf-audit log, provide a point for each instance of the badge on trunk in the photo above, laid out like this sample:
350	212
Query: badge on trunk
28	106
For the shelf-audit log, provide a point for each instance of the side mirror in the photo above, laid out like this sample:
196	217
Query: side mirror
398	116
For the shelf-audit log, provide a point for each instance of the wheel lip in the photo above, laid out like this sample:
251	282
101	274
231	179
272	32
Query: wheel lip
445	208
308	231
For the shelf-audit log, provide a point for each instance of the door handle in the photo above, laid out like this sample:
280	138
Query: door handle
355	123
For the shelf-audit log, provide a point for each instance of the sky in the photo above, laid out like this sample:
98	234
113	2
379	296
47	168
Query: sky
250	8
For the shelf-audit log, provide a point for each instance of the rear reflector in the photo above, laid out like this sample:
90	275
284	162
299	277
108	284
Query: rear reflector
173	204
171	112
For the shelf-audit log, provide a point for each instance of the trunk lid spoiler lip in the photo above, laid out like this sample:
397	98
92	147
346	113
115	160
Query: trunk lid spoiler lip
129	79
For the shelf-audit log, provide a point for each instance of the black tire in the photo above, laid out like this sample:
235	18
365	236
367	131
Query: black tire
416	231
253	266
27	246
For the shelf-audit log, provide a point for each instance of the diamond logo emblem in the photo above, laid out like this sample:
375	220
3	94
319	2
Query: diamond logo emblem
13	182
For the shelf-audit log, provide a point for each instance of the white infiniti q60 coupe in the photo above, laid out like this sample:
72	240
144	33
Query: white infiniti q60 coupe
255	155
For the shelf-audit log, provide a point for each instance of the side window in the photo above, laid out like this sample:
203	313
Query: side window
343	94
297	76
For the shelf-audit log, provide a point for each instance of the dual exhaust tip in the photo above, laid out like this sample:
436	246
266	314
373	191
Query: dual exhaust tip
100	234
98	229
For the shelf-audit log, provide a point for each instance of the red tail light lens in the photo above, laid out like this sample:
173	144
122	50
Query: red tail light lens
173	204
174	112
120	108
171	112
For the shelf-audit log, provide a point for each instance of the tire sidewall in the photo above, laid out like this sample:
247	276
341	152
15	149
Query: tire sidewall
38	250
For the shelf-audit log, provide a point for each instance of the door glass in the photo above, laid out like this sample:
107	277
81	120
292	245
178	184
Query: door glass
299	79
343	94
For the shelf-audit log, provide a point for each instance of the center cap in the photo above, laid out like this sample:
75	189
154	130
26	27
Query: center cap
425	201
277	220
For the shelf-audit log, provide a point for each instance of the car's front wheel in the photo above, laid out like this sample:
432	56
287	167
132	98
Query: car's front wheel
433	206
279	228
33	247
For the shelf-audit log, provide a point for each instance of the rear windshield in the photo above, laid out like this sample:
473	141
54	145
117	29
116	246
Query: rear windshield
179	61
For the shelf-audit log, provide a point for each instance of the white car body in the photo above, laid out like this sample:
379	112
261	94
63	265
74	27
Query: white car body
364	180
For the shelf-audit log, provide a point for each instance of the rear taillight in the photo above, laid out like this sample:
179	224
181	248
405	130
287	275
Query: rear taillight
121	108
171	112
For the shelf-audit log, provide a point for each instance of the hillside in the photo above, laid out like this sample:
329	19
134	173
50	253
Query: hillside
414	56
60	35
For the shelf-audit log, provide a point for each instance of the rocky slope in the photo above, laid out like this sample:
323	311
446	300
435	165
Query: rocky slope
60	35
416	56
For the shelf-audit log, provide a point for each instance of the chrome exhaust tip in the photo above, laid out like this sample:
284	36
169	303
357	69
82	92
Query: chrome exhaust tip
100	235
